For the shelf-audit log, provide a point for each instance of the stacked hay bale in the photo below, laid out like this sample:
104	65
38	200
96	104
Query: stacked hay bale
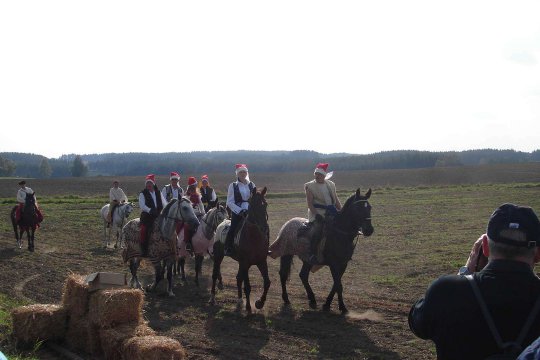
104	322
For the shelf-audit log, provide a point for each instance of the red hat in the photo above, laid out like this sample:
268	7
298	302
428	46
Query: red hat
151	178
204	178
174	175
192	181
241	167
321	168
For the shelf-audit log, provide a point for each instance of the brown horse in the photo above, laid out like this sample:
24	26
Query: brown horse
29	221
250	248
339	246
162	242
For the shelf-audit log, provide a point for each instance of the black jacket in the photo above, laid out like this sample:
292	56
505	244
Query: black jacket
449	313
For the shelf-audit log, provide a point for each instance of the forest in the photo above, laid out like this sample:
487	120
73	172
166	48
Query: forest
134	164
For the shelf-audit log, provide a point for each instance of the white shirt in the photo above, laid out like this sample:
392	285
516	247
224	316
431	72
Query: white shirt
175	192
244	192
117	194
142	202
21	194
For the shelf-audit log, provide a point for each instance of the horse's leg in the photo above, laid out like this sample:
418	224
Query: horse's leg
104	234
337	273
30	245
198	267
158	276
263	268
304	276
170	264
33	231
243	274
216	274
133	266
181	265
284	272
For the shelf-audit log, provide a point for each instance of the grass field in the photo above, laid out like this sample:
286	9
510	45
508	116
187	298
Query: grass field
423	229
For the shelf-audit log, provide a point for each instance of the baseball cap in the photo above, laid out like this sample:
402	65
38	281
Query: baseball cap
514	225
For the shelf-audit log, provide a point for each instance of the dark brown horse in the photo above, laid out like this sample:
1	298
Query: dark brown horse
251	248
355	216
29	221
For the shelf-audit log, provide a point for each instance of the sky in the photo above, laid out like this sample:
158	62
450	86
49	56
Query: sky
86	77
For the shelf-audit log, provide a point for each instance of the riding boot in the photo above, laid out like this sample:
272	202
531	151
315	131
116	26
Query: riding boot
313	259
144	240
228	248
188	234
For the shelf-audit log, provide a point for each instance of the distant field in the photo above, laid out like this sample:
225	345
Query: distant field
293	182
425	223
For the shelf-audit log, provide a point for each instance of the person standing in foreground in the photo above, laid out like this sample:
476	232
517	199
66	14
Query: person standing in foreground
321	198
237	200
450	314
208	195
151	203
116	197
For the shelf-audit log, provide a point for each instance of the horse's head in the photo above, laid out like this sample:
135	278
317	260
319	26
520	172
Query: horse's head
357	207
257	207
30	199
186	213
129	208
220	213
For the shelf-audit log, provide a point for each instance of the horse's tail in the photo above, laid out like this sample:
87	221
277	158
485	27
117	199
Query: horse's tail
14	221
285	264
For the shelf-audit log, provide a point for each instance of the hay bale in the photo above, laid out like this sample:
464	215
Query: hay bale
37	322
81	335
75	296
109	308
153	348
112	340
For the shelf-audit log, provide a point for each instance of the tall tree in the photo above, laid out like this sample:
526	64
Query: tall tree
7	167
45	170
79	168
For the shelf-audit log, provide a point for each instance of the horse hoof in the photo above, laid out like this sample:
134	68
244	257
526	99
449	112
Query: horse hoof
259	304
220	286
313	304
115	246
344	311
171	294
326	308
212	301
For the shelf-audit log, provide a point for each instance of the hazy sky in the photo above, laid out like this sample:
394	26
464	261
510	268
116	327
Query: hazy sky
330	76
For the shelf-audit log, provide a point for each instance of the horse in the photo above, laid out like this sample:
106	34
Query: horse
29	221
250	248
201	241
119	216
338	248
162	242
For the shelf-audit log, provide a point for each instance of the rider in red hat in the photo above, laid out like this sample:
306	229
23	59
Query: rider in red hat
151	203
173	190
208	195
194	196
321	198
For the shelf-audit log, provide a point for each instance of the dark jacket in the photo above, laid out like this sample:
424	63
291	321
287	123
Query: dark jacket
449	313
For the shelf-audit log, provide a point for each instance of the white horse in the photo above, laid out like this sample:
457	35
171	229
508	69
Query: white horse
202	241
121	213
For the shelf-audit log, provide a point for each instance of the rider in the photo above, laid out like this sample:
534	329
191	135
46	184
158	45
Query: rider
237	200
21	198
321	198
194	196
151	203
116	197
172	190
208	195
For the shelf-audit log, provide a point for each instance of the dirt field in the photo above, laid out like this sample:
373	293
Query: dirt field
420	233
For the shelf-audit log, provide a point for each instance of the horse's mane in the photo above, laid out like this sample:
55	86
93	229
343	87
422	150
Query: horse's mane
348	203
165	212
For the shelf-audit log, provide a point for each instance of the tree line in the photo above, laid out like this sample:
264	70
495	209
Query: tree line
137	164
